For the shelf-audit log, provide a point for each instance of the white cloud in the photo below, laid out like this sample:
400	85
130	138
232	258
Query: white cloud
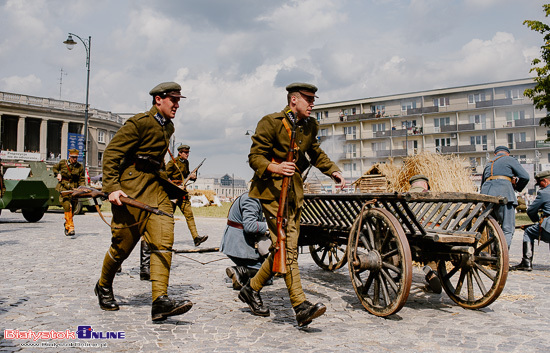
30	84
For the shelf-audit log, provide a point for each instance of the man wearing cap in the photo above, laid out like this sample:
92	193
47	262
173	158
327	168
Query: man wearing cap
133	166
419	183
178	170
268	153
70	175
502	177
541	229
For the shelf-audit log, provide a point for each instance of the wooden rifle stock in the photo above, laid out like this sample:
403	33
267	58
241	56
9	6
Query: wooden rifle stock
83	191
193	171
279	259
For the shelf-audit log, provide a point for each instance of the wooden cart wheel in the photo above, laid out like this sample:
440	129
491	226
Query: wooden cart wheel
476	280
379	262
329	257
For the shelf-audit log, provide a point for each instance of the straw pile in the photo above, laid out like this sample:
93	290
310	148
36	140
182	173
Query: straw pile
445	172
208	193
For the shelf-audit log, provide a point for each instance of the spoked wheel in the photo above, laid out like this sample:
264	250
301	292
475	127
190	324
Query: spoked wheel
379	261
476	280
329	257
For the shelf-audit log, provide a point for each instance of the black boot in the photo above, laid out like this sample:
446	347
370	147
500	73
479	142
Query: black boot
106	297
433	280
306	312
200	239
526	263
164	307
239	275
252	298
145	262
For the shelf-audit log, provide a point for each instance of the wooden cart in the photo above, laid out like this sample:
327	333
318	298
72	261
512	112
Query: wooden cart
379	235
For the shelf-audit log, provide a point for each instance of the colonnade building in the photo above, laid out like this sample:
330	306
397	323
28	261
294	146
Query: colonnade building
36	128
469	121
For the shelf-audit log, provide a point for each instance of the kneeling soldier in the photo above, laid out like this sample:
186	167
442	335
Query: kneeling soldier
541	229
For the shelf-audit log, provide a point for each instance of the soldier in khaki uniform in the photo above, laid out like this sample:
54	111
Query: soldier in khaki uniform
270	146
132	166
70	175
178	170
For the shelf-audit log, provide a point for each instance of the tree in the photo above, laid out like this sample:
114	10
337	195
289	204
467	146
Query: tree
541	92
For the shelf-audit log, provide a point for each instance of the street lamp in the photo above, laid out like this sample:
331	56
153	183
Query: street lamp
248	132
88	46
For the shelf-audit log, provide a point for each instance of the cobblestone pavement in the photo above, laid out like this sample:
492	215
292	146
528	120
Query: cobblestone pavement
48	282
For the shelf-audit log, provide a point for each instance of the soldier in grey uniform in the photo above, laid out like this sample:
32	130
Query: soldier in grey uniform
499	177
541	229
246	239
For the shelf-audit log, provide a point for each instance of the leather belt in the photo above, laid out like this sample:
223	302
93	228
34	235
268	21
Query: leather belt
234	224
499	177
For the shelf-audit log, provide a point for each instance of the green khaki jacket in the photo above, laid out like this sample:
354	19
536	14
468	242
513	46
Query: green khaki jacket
142	135
72	175
173	169
271	141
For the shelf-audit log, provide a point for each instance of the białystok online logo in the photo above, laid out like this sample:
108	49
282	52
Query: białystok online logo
83	332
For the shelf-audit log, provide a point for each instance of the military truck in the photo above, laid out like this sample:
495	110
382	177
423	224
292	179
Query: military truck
29	186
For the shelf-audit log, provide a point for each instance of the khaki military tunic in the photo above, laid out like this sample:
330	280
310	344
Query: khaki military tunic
132	163
271	142
72	176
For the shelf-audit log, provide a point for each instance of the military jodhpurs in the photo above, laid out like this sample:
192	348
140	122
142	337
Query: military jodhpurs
68	204
158	232
185	207
531	234
507	215
292	276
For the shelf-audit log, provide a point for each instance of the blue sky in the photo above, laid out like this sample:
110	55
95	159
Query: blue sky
234	58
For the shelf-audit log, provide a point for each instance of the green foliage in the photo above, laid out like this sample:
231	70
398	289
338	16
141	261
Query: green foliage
541	92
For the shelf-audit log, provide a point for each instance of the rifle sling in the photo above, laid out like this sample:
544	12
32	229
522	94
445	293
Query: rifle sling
98	209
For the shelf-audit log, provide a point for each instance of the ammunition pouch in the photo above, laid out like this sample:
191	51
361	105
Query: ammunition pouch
147	164
302	162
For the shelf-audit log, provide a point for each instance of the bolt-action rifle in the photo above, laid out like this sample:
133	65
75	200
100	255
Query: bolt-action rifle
279	259
183	183
84	191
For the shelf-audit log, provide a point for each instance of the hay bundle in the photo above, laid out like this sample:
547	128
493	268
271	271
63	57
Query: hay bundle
445	172
209	194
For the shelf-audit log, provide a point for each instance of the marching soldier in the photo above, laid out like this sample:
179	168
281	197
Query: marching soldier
541	229
132	166
501	177
70	175
270	146
178	170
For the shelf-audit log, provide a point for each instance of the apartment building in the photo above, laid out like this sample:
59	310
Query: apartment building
468	121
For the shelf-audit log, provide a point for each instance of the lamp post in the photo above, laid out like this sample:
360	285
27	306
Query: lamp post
88	46
248	132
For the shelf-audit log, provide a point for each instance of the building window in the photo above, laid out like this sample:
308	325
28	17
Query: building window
350	151
323	132
410	144
379	110
353	111
474	98
441	102
479	119
111	135
408	124
408	105
350	167
326	114
516	137
99	158
445	141
513	93
101	136
350	131
439	122
517	115
479	140
379	127
319	115
378	146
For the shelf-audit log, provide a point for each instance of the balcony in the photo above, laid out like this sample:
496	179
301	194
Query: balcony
424	110
467	148
351	137
382	153
466	127
494	103
448	149
386	133
447	128
364	116
525	144
399	153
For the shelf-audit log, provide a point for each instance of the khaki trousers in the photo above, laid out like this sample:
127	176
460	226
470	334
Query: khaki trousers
292	277
158	232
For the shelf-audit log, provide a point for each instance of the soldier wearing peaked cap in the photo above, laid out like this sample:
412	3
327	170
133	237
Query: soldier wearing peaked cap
178	170
541	229
70	175
267	157
502	176
419	183
133	166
